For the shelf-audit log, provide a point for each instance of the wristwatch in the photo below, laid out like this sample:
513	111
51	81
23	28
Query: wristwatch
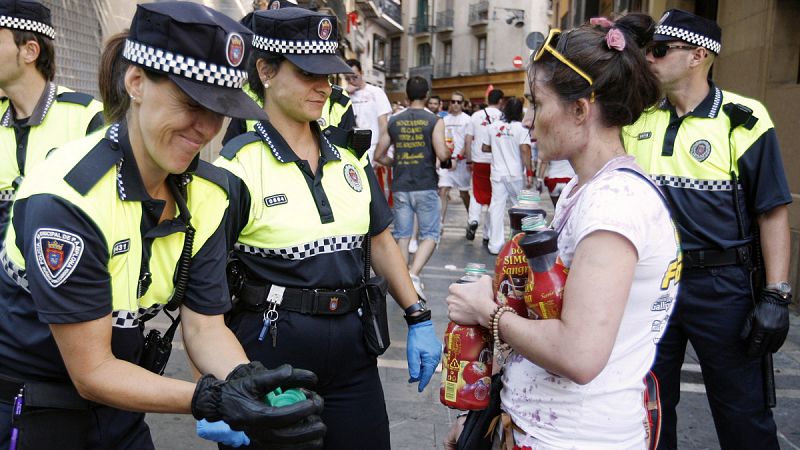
421	305
783	288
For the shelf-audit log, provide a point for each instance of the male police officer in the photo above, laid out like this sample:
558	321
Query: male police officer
37	115
717	158
337	118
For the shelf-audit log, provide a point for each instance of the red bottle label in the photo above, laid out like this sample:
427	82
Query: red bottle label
511	275
544	292
467	367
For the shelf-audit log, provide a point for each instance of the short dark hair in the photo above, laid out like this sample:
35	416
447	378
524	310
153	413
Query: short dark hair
46	62
355	63
512	110
435	97
253	78
494	97
417	88
624	87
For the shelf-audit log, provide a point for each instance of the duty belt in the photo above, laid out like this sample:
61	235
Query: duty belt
305	301
698	259
42	393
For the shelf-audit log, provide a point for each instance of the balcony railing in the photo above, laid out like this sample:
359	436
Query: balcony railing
420	25
395	66
391	9
479	13
478	67
443	70
444	20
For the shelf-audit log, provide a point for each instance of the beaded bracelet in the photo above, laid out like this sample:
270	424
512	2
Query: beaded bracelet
499	345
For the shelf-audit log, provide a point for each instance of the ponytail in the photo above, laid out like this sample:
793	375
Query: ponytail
111	79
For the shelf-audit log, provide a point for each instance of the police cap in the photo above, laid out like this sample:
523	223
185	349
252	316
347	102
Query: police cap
308	39
200	49
677	24
26	15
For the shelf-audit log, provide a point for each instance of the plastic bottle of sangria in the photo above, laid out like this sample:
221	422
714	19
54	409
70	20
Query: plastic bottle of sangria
544	291
467	359
511	267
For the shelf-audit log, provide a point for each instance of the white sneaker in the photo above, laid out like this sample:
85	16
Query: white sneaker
413	246
418	285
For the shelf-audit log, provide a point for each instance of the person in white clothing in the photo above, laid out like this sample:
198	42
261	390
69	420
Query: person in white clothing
556	175
510	146
576	381
458	137
372	109
481	193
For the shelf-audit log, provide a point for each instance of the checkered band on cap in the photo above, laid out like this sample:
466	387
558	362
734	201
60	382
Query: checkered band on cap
291	46
28	25
690	37
187	67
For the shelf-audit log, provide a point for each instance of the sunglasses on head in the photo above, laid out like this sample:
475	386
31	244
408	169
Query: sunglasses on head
552	39
660	49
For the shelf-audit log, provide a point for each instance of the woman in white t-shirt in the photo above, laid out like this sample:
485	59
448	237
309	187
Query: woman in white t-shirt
510	145
576	382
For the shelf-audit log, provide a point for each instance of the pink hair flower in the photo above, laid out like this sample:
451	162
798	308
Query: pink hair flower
615	39
601	21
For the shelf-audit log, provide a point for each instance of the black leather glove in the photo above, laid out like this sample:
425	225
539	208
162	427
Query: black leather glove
767	325
239	401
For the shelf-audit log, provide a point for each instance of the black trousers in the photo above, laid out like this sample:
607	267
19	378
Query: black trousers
710	311
333	348
109	428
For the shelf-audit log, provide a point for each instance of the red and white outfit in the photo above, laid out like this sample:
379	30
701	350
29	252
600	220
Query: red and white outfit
457	126
507	174
481	165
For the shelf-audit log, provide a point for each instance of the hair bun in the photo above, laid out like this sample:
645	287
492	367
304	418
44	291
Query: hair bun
639	26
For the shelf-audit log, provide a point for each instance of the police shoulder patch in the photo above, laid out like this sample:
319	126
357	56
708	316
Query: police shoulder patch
352	177
700	150
57	254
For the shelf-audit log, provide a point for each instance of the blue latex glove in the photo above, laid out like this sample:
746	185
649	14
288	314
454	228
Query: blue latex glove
424	351
221	432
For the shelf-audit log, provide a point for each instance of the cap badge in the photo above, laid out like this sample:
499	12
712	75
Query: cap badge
700	150
275	5
235	49
352	177
324	29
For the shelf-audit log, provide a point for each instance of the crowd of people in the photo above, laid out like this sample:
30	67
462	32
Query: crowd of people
670	207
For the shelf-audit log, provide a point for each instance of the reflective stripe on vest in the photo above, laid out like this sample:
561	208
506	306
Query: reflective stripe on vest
283	219
701	159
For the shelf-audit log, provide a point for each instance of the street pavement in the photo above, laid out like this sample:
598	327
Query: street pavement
418	421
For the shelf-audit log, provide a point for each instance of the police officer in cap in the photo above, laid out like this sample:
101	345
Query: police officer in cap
36	115
121	225
299	212
716	156
337	118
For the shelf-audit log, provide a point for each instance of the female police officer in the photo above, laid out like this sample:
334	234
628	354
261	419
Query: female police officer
300	208
98	231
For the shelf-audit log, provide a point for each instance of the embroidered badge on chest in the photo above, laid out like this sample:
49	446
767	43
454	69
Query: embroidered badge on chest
277	199
121	247
352	177
57	254
700	150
